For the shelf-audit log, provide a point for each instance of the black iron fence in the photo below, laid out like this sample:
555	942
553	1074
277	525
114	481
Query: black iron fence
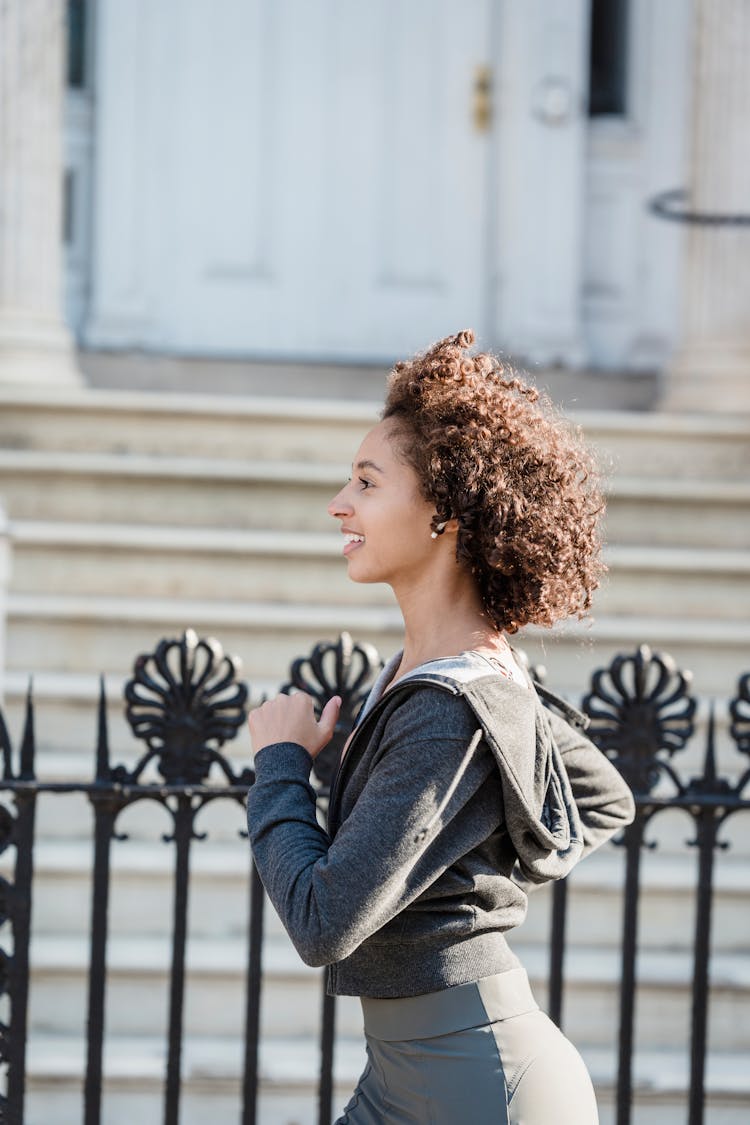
185	701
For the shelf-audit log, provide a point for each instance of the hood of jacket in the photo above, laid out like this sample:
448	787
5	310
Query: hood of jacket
540	813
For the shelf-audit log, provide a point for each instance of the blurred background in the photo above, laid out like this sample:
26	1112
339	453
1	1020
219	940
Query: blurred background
220	224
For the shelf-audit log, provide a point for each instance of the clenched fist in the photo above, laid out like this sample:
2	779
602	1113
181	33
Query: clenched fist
291	718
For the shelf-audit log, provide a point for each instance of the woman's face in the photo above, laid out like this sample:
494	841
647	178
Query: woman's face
384	518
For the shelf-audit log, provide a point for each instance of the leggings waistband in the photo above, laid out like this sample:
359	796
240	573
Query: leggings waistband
488	1000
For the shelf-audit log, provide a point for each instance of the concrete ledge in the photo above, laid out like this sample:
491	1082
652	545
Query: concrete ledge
156	467
356	409
281	615
143	537
94	400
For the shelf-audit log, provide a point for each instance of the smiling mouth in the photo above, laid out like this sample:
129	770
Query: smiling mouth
352	541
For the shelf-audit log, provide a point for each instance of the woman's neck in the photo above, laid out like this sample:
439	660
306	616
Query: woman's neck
436	626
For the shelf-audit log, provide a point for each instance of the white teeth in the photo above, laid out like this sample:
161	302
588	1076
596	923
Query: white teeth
350	537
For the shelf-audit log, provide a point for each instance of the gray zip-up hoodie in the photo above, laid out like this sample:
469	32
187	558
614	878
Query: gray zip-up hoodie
458	790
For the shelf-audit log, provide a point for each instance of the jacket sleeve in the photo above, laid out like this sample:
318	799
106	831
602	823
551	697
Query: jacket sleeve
333	894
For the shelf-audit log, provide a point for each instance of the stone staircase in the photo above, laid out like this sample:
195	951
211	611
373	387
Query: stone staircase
135	515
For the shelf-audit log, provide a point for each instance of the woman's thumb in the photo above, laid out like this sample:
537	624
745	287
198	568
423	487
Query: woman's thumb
329	715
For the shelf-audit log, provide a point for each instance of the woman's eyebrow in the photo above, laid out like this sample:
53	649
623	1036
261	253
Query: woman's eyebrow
368	465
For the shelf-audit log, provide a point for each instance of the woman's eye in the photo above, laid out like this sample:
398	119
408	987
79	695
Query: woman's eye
365	483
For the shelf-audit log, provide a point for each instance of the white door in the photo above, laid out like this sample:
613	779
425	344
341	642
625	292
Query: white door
306	179
329	175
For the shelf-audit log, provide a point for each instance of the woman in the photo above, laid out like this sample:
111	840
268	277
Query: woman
458	791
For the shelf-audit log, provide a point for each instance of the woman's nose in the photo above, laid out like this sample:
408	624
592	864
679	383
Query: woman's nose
340	505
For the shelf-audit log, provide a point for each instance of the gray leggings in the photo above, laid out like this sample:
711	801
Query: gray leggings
480	1053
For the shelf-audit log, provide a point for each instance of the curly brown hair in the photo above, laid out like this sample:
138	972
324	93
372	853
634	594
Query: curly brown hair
493	453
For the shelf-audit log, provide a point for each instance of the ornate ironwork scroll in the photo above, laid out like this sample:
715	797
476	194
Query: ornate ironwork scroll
184	702
641	709
739	709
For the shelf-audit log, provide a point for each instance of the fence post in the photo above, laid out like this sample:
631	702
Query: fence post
20	917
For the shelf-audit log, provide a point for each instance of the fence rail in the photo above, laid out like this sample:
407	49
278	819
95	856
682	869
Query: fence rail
186	700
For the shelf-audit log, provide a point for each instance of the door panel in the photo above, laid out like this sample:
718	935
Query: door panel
631	258
331	182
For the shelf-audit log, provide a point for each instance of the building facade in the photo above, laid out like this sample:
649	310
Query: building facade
324	181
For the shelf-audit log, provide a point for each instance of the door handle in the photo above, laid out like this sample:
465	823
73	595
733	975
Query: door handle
482	98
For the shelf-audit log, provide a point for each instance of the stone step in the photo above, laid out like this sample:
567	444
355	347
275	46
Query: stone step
289	1067
281	566
668	512
141	895
688	447
278	566
138	989
652	444
185	491
102	634
711	583
215	427
242	494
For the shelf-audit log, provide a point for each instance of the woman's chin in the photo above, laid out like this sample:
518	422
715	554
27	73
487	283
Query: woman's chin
357	573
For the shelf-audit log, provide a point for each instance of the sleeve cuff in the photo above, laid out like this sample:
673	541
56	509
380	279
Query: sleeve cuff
282	759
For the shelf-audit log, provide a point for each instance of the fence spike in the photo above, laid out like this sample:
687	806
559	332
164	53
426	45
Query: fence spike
709	768
103	772
26	772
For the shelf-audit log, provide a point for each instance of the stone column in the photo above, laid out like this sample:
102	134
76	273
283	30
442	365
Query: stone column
35	345
5	568
711	370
